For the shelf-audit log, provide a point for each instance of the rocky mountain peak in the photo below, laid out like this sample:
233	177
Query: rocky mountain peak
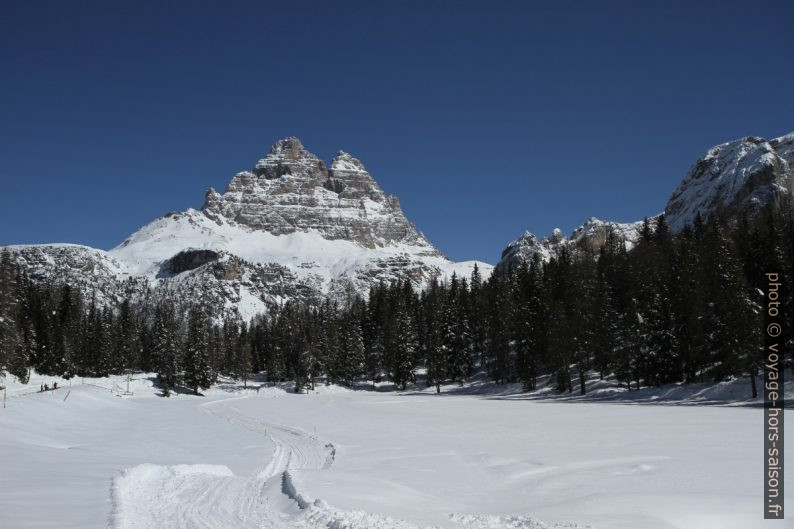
350	179
291	190
288	157
344	161
589	237
289	146
211	199
524	249
740	175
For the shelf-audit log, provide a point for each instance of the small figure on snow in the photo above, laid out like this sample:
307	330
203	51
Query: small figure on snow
54	385
46	387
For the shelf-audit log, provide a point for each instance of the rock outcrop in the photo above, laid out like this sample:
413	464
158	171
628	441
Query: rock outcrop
737	176
590	236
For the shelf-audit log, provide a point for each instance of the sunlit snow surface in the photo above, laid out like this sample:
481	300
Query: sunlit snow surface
304	253
345	459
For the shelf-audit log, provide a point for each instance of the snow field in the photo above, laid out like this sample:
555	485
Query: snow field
345	459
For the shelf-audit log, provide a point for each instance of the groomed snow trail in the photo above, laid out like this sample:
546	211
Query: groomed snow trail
200	496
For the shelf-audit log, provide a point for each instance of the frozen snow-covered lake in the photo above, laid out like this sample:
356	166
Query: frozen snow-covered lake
357	459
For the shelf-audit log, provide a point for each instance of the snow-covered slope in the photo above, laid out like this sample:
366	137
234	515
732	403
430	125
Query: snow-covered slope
738	176
589	236
288	229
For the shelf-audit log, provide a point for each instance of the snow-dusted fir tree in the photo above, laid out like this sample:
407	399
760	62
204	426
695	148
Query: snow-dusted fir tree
241	364
373	333
477	321
323	337
126	339
457	335
166	350
196	362
529	333
352	343
497	343
434	330
403	338
13	357
66	326
231	332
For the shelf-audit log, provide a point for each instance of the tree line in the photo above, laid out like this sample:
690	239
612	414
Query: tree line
683	307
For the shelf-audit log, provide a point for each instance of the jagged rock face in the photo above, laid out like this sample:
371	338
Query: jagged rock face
738	176
592	235
589	237
189	260
291	190
524	249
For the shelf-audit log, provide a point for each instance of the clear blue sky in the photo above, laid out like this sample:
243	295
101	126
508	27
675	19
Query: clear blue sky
485	118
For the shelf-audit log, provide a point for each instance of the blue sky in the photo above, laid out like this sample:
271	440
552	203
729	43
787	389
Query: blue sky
486	119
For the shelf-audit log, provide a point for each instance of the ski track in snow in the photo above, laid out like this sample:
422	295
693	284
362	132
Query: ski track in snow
210	496
152	496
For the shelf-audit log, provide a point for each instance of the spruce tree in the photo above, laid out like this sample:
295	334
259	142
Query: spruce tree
197	366
241	367
434	334
497	345
476	316
457	338
372	326
10	339
352	343
165	348
126	338
403	340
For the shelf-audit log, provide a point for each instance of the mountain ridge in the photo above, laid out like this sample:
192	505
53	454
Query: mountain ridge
295	228
737	176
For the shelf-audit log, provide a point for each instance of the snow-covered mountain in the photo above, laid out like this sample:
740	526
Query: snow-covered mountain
294	228
738	176
291	228
590	235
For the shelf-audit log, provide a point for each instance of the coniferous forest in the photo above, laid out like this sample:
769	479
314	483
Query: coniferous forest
674	308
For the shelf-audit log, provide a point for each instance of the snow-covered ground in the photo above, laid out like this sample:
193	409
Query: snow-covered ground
88	456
